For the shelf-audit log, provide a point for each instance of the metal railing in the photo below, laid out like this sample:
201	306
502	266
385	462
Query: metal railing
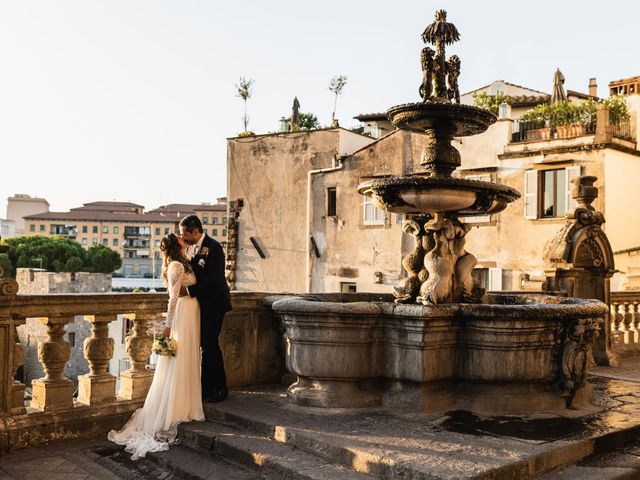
537	130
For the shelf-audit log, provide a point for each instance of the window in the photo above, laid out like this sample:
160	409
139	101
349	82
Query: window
105	242
488	278
84	242
166	231
372	214
214	232
348	287
224	220
116	230
85	229
32	227
95	229
158	231
105	229
95	241
42	228
71	336
331	202
224	232
115	242
205	219
156	243
485	177
214	220
547	193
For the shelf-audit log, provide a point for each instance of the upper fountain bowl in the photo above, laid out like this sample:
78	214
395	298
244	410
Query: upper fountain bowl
460	120
418	194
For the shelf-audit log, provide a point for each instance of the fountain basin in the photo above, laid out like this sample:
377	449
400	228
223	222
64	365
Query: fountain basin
514	354
458	120
418	194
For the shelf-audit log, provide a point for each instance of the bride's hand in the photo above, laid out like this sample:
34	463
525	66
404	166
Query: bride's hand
166	332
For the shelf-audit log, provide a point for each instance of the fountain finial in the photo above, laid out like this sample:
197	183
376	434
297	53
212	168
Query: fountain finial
436	69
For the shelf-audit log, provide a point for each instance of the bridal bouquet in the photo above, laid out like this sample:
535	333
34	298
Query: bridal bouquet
164	346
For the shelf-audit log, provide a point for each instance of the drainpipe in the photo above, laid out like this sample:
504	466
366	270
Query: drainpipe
335	167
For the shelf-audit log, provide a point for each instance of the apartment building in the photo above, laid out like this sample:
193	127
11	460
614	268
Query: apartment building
126	228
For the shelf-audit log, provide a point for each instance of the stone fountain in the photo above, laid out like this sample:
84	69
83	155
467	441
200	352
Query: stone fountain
440	341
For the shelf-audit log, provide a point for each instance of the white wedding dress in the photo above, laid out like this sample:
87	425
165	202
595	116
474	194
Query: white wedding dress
175	393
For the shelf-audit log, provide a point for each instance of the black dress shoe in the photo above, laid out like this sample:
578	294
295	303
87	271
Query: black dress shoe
218	395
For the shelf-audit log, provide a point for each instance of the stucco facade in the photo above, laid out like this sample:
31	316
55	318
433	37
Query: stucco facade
347	253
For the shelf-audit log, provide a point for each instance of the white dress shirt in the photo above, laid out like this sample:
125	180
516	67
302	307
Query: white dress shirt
193	250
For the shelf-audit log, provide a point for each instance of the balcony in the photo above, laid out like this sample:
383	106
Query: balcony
250	341
137	232
604	127
68	231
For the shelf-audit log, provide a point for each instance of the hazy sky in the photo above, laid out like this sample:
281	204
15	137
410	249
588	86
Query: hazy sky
133	100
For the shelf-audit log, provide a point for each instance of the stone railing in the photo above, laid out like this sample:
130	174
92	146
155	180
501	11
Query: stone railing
250	340
625	322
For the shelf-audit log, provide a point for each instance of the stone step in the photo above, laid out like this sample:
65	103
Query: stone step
177	463
184	463
271	459
620	464
433	446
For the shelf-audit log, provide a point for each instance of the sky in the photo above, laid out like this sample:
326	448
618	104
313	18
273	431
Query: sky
133	100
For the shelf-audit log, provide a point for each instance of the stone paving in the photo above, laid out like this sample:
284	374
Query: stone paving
57	461
70	460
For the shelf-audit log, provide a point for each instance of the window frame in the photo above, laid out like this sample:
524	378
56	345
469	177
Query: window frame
379	216
332	202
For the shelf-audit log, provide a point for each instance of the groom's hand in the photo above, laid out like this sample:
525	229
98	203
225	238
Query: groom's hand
166	332
183	291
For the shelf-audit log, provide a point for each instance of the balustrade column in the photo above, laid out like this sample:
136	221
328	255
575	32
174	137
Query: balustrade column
11	390
53	391
98	386
135	382
16	406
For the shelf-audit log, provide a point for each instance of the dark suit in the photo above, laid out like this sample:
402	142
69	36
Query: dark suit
212	292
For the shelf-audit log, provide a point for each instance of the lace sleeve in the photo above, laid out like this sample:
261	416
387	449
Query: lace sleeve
175	275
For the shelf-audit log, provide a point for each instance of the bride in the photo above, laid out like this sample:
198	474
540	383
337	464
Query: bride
175	393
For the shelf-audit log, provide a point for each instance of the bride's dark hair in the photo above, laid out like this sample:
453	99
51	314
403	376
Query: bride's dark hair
172	252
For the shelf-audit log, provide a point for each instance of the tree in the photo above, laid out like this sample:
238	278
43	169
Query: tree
6	267
101	259
491	102
244	92
49	253
306	121
57	254
336	85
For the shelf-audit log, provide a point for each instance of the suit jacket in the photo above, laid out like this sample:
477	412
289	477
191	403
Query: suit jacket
211	287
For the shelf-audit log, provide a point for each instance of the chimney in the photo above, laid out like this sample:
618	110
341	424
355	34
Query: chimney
593	87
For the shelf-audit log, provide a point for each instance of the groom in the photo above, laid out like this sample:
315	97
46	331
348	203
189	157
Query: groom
212	292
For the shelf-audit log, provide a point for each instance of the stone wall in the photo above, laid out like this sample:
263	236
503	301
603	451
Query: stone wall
35	281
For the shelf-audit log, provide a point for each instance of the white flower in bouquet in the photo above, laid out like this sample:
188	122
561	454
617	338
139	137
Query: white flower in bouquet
164	346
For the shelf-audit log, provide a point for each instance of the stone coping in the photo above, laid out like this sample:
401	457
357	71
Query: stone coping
508	305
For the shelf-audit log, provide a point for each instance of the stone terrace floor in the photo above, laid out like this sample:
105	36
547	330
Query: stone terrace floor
73	460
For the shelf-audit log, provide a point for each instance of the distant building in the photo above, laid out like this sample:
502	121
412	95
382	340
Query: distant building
214	217
127	229
22	205
7	228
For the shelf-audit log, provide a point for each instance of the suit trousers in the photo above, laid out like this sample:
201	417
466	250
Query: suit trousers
213	375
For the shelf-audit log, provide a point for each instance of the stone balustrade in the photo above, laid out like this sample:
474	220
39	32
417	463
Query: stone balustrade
625	322
250	340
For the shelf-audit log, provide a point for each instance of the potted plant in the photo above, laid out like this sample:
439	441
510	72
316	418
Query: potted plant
535	123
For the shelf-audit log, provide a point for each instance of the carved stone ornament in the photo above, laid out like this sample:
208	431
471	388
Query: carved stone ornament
574	356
